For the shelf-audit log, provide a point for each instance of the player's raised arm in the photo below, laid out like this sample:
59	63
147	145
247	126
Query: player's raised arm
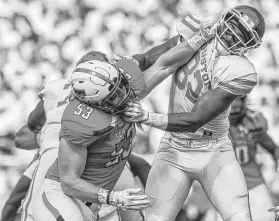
169	62
185	31
148	58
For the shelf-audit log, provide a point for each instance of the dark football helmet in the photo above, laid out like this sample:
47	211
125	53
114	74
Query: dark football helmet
100	84
240	29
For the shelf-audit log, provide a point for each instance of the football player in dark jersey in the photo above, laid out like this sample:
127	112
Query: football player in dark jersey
248	130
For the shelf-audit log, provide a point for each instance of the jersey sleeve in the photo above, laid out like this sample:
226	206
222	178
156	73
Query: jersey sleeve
78	130
134	75
189	25
234	74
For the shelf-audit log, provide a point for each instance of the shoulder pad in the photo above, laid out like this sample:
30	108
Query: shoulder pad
231	66
81	125
189	25
55	87
86	116
235	74
133	73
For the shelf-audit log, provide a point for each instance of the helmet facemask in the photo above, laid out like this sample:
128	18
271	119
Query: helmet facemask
235	33
120	95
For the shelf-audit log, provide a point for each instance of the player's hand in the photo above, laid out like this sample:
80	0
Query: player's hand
276	210
128	199
135	113
118	57
208	27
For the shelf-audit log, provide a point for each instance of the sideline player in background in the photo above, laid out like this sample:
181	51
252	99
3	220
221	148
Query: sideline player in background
24	139
248	130
197	124
95	142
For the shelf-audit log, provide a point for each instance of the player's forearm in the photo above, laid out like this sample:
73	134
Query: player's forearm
166	65
150	57
174	122
13	203
9	212
80	189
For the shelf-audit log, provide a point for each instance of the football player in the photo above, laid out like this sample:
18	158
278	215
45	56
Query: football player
249	129
54	98
95	142
196	145
45	118
134	174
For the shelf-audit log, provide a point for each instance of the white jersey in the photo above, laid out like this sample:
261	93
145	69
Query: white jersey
55	95
202	73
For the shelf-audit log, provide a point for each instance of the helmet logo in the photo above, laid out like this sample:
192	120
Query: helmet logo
248	22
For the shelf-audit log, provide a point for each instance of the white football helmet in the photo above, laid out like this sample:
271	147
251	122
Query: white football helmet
99	84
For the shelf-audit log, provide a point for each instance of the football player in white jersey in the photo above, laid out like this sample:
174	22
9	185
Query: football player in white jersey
54	98
196	145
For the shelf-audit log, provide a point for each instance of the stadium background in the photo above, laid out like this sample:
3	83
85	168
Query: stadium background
41	40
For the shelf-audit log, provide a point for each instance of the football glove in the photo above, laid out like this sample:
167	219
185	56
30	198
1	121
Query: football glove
128	199
135	113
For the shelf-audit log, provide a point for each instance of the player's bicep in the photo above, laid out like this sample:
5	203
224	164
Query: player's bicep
212	104
71	161
166	65
176	57
37	117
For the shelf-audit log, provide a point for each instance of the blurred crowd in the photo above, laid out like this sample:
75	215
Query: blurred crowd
41	40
